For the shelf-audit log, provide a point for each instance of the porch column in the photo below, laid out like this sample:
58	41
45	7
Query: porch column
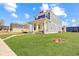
33	28
44	27
36	27
64	28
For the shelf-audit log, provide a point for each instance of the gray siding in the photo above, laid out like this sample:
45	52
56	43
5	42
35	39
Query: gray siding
54	24
52	27
55	19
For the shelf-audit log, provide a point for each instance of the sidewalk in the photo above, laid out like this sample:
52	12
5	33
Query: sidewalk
5	50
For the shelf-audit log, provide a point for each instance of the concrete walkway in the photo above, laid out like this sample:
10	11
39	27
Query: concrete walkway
9	37
5	50
13	36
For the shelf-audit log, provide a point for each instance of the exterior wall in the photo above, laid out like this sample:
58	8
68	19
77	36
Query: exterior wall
17	30
52	27
54	24
30	27
55	19
20	27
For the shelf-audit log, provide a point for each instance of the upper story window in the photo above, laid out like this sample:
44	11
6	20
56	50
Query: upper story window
47	15
42	16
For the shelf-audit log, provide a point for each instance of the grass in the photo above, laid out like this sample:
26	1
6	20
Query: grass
4	36
41	45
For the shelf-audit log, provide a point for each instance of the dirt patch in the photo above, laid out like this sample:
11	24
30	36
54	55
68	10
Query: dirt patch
58	40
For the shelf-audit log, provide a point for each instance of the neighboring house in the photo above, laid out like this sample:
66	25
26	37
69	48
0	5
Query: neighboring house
4	28
72	29
15	27
47	22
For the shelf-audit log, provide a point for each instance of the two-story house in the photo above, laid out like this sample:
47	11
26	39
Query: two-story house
47	22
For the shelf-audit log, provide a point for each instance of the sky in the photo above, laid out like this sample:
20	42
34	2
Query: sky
25	12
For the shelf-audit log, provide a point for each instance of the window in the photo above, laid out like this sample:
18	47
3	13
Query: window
42	16
48	15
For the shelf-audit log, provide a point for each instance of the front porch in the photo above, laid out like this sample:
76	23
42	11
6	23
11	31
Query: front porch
39	26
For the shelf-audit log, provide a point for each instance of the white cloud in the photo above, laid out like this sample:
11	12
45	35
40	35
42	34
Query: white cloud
10	7
56	9
52	5
34	8
45	7
27	15
14	15
74	25
73	20
59	11
64	23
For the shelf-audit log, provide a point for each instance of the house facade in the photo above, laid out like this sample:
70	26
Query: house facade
47	22
15	27
4	28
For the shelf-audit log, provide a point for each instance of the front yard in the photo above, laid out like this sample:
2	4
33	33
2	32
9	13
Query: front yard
41	45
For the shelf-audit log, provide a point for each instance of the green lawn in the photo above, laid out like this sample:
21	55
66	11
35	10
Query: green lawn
4	36
41	45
